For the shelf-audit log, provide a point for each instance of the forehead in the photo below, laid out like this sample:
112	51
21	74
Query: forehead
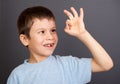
43	23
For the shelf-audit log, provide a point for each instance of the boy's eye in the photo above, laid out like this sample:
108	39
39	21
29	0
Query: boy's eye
53	30
41	32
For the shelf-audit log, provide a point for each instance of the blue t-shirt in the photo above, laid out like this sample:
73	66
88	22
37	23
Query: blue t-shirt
53	70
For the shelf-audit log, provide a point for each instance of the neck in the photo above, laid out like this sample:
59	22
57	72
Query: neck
36	59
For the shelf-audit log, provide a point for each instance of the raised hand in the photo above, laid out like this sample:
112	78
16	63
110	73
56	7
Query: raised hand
74	25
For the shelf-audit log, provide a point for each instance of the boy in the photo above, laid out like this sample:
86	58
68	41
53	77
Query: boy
37	31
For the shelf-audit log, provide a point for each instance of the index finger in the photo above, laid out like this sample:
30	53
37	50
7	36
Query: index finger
68	14
74	11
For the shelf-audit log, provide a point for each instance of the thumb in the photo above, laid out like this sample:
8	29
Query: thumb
67	27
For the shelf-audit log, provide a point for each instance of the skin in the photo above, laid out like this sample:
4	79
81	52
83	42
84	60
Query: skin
43	40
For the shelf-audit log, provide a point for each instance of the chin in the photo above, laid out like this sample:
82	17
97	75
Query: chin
49	54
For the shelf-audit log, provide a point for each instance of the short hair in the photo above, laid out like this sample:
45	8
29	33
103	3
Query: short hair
26	18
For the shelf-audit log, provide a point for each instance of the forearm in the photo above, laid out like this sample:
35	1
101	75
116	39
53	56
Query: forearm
100	56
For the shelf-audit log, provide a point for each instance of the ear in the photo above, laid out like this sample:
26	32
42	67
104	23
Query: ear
24	39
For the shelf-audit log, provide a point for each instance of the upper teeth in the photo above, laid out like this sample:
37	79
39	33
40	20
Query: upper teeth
49	44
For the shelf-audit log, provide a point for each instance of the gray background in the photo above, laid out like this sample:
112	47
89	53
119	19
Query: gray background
102	19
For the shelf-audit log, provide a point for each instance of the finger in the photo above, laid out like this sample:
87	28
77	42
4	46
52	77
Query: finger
68	14
81	13
74	11
67	27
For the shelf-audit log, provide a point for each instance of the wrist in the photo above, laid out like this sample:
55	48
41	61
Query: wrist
83	35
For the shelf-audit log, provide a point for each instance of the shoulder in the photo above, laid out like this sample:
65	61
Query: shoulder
19	69
74	61
16	72
71	58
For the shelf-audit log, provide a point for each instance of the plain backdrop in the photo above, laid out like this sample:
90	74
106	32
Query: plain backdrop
102	19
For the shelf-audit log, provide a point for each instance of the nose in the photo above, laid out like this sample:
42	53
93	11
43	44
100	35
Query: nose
49	36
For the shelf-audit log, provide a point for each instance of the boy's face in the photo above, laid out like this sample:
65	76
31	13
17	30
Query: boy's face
43	37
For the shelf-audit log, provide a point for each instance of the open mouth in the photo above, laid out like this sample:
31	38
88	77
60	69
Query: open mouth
49	45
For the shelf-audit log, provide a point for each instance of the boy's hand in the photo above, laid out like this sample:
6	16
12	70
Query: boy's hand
75	25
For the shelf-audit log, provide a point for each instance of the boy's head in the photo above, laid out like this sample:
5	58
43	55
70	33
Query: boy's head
37	31
26	18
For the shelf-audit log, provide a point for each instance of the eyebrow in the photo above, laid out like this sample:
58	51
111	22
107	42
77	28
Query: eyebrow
41	28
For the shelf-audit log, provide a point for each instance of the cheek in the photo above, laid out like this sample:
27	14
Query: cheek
38	41
56	38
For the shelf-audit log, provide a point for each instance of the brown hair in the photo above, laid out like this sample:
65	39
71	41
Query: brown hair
25	20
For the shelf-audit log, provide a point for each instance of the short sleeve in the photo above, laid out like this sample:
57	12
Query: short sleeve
81	69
